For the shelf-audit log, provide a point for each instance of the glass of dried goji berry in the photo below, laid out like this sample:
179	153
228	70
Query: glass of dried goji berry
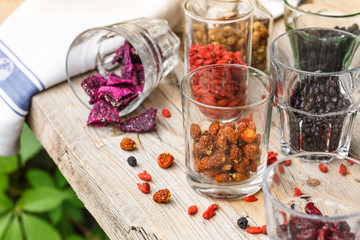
310	199
226	128
217	31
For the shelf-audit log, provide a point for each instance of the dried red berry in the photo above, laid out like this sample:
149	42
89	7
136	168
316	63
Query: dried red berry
281	168
350	162
297	192
311	209
342	169
250	198
192	210
209	213
144	176
166	113
145	187
263	229
323	168
272	157
213	206
287	162
254	230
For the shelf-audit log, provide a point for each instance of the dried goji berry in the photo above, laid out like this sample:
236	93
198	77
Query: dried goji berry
166	113
192	210
342	169
254	230
272	157
144	187
209	213
287	162
350	162
323	168
281	168
263	229
297	192
144	176
213	206
165	160
250	198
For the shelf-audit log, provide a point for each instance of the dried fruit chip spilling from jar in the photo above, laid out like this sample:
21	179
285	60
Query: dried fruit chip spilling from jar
226	152
113	93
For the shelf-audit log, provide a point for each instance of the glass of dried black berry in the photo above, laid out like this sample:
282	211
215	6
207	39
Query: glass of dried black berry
307	199
317	76
340	14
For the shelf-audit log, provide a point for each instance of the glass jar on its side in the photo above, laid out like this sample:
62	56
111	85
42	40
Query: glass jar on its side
95	49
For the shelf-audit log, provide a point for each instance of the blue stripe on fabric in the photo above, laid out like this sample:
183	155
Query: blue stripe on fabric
15	83
21	115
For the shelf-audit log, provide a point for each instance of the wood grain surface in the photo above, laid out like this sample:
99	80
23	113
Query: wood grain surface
95	166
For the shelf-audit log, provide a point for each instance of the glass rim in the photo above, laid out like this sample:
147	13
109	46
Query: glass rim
269	196
258	103
322	74
219	21
295	8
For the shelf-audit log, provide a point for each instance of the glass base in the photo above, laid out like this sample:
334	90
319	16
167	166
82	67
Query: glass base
230	192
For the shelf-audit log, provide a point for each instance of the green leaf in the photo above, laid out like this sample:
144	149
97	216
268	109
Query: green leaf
4	182
29	144
38	178
4	223
66	227
60	180
14	230
41	199
8	164
5	203
74	212
37	228
74	237
55	215
72	198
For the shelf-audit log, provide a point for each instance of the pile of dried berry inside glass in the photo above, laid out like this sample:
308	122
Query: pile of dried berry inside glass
317	95
303	228
226	152
113	93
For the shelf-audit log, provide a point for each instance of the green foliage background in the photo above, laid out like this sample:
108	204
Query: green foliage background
36	202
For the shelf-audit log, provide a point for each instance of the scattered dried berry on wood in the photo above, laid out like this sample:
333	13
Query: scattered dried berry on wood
254	230
209	213
192	210
132	161
162	196
272	157
242	222
342	169
250	198
127	144
213	206
144	187
323	168
287	162
165	160
263	229
144	176
311	209
166	113
350	162
281	168
297	192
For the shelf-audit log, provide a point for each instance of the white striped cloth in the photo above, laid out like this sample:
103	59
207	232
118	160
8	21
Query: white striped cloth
34	41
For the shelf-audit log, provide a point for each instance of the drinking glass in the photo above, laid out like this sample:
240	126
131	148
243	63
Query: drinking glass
317	75
226	117
307	199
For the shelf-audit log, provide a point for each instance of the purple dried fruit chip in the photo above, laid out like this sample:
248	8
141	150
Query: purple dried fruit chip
102	114
118	54
114	95
140	124
113	79
91	86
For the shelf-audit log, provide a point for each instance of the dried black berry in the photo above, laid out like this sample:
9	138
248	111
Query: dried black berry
132	161
242	222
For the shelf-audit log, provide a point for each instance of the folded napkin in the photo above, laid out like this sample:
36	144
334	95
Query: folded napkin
34	41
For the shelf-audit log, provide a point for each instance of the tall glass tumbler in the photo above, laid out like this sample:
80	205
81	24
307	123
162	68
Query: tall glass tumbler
226	147
311	200
339	14
317	75
217	31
